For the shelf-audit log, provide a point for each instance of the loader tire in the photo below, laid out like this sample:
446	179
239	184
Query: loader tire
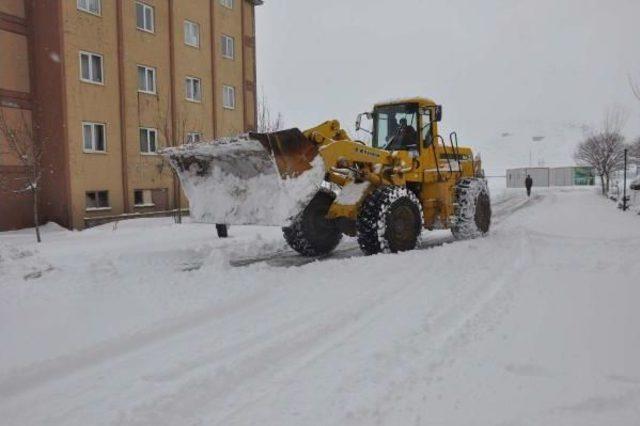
389	221
472	217
310	234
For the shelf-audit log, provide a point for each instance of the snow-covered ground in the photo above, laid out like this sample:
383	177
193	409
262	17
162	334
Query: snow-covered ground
150	323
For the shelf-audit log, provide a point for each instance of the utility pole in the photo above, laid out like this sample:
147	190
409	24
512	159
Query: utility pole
624	185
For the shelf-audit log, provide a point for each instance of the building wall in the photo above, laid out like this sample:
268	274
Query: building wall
516	177
562	176
544	176
46	31
15	206
146	171
229	22
14	57
13	8
15	109
89	102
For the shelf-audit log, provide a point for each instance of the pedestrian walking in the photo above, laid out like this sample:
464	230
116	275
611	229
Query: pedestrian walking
528	183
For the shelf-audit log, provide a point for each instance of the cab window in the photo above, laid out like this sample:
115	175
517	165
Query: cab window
427	134
395	127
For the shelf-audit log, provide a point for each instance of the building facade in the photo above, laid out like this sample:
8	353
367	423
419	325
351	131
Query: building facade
108	83
551	176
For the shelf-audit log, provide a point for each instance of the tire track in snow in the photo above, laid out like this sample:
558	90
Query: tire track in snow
455	323
482	313
466	303
288	258
286	355
27	378
34	376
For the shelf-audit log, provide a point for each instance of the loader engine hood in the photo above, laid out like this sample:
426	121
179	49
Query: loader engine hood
256	179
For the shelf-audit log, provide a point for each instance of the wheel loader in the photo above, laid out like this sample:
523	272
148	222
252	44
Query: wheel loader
319	184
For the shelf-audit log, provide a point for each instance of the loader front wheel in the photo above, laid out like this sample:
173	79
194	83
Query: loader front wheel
390	220
311	234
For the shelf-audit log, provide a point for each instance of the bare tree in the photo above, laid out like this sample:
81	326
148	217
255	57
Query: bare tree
174	134
604	149
635	88
27	148
267	123
634	151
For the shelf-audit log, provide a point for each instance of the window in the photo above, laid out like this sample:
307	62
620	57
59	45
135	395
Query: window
146	79
94	137
148	140
194	137
229	97
144	17
191	34
193	89
143	198
97	200
91	6
394	127
228	47
227	3
91	69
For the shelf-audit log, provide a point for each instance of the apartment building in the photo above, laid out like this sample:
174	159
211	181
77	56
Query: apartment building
106	84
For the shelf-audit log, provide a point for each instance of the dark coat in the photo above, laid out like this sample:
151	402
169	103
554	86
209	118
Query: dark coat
405	136
528	182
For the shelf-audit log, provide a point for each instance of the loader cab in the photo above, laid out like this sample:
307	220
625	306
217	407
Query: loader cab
403	126
395	127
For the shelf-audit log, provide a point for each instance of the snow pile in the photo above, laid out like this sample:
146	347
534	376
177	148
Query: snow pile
242	185
352	193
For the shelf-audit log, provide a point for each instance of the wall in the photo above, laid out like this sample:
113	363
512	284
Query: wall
562	176
516	177
544	177
48	73
146	171
230	72
14	8
92	103
15	106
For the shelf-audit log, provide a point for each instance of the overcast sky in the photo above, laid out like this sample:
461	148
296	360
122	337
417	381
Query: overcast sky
504	70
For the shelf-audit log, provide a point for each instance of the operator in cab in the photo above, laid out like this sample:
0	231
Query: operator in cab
405	137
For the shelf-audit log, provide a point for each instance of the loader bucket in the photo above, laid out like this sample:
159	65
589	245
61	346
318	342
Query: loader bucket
256	179
292	151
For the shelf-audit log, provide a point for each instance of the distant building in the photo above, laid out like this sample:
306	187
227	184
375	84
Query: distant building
551	176
109	83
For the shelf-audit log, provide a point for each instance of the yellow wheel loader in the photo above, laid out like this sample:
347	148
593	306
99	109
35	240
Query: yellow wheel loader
320	184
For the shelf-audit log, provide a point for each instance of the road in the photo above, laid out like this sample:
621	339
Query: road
535	324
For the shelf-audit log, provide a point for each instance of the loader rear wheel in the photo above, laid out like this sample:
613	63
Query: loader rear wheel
390	220
472	217
311	234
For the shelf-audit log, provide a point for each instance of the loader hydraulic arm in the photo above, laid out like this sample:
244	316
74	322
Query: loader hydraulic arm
326	132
